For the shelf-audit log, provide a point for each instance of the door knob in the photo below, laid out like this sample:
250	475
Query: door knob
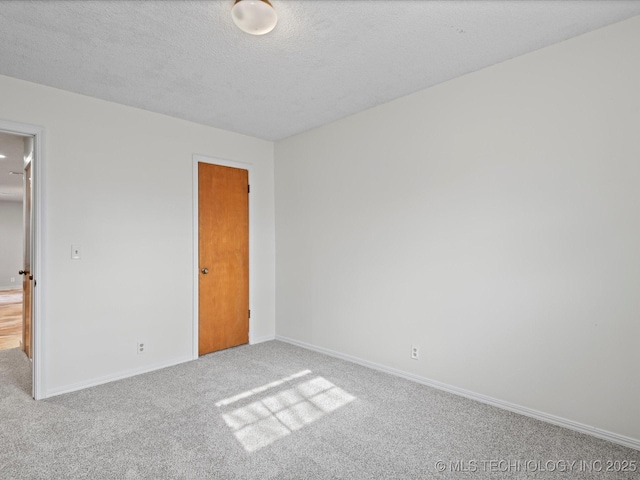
25	272
205	270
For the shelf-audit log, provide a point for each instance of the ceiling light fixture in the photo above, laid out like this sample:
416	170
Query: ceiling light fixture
256	17
3	156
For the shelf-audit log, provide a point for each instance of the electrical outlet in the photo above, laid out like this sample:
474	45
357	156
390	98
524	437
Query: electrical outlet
415	352
141	348
13	279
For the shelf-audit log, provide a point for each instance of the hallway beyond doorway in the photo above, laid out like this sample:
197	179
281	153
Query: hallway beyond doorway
10	319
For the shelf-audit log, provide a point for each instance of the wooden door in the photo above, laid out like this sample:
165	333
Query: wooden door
27	277
223	216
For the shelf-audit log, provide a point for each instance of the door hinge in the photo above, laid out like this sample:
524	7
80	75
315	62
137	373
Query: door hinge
249	313
248	188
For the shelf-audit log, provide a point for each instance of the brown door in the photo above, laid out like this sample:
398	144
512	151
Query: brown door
27	277
223	216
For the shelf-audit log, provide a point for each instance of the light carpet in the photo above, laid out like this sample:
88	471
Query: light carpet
274	410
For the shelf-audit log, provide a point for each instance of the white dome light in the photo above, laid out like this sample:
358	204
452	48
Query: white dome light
256	17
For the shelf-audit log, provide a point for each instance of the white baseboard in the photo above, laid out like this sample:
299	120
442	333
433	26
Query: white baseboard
529	412
12	287
112	378
256	340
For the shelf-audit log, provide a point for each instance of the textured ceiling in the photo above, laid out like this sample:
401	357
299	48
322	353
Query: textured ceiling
324	60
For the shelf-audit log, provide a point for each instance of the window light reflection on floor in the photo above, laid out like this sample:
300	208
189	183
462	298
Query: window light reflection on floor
264	421
263	388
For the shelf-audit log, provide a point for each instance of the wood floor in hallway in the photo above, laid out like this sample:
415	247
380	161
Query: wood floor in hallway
10	318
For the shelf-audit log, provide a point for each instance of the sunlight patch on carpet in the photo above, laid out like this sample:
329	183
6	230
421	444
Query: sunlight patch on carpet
263	388
262	422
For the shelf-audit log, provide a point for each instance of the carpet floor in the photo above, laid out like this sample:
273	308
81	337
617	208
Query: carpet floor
273	411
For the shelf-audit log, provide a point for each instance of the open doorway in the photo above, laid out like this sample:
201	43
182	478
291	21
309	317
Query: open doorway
12	240
20	171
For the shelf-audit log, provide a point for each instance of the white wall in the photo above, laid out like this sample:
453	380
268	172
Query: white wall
119	183
10	244
493	221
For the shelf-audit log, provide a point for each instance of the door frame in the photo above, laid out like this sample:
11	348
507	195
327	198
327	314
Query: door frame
196	230
37	238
